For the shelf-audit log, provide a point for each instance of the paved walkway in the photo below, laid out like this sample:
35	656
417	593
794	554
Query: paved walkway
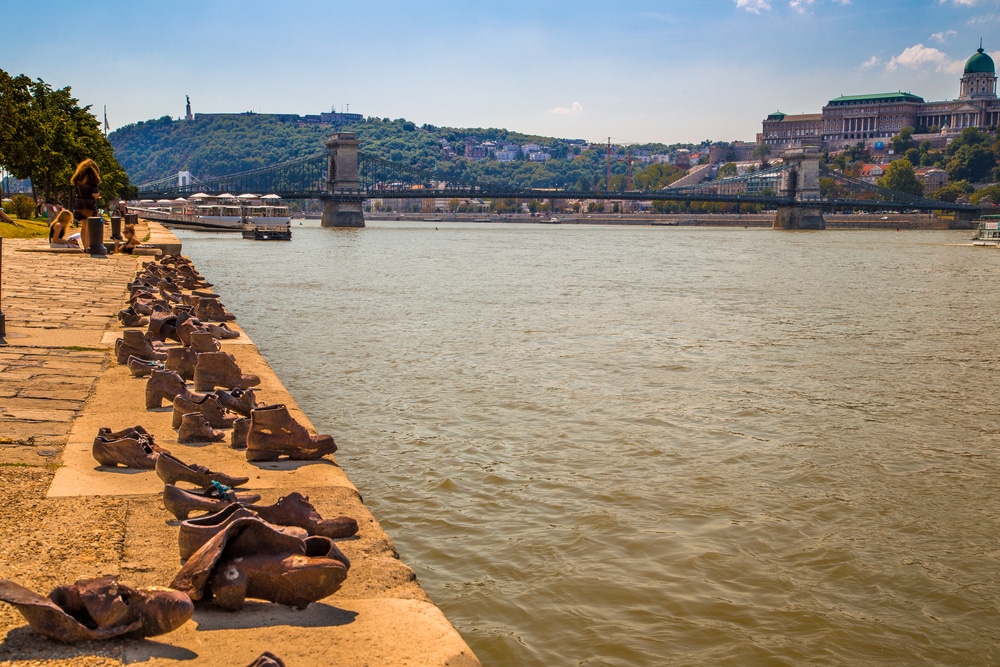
66	518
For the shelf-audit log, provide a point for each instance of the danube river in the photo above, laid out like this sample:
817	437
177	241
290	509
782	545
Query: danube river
657	445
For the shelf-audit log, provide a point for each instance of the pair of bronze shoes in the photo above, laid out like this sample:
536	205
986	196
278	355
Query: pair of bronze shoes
215	489
99	608
292	514
252	559
132	447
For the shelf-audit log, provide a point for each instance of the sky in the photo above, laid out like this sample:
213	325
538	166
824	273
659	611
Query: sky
637	71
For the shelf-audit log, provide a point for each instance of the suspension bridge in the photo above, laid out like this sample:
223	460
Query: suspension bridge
343	177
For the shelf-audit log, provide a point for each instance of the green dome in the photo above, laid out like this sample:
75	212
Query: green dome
980	63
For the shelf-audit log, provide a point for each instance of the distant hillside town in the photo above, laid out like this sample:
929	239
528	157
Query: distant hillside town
331	118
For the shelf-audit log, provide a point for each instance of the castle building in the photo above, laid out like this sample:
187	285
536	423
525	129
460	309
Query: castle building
874	119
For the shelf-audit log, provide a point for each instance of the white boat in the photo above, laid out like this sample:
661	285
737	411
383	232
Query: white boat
220	215
266	214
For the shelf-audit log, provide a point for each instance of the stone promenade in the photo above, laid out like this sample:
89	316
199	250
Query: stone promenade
66	518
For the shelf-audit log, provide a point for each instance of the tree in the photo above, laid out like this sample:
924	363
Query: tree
903	141
971	162
727	170
899	176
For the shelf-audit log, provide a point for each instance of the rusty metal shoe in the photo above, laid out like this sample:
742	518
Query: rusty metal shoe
171	470
134	343
267	659
99	608
296	510
240	401
131	431
195	428
181	503
222	331
130	318
208	406
182	360
210	309
196	532
204	341
185	328
238	438
131	451
165	385
273	433
140	368
250	559
217	369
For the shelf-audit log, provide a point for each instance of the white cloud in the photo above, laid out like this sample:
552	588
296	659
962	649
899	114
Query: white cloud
918	56
874	61
754	6
941	37
800	5
961	3
574	109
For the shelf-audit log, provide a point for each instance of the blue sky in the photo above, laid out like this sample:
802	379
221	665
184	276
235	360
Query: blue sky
668	71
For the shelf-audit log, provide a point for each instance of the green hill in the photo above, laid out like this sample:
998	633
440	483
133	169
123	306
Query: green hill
211	146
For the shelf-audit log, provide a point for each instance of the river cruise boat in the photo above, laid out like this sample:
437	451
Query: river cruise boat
223	212
989	231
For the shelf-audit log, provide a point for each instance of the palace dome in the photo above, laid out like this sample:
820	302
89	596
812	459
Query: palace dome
980	63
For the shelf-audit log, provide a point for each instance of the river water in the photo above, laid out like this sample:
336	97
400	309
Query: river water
657	445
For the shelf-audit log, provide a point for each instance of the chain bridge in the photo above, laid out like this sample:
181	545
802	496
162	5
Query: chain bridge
343	177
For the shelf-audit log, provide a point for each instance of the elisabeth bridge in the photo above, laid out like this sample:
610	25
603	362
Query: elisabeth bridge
343	177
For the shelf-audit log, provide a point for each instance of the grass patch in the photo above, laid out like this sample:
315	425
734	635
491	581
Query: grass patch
24	229
17	465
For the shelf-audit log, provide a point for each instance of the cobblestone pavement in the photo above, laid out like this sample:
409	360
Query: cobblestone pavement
58	307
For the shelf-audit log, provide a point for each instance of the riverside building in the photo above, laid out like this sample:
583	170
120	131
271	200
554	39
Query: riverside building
874	119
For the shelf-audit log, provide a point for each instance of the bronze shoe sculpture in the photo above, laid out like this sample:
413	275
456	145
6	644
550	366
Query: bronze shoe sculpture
238	438
210	309
240	401
182	360
250	559
134	343
195	532
99	608
204	341
208	406
296	510
273	433
140	368
132	450
164	385
171	470
130	318
217	369
185	328
131	431
195	428
222	331
267	659
181	503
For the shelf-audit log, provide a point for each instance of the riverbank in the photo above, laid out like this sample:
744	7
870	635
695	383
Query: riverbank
67	520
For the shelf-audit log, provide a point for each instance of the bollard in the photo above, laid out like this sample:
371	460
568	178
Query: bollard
131	218
95	236
116	228
3	318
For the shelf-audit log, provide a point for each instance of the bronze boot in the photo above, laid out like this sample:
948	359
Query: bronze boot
140	368
296	510
241	427
240	401
274	433
217	369
134	343
195	428
203	341
208	406
250	559
99	608
222	331
131	451
181	503
129	318
210	309
164	385
195	532
182	360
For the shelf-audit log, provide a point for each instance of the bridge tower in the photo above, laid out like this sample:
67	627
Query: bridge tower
344	196
801	183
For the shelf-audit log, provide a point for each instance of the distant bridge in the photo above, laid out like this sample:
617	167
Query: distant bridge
344	177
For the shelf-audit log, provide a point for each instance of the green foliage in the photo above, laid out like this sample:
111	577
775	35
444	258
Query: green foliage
727	170
899	176
44	134
219	145
991	191
23	206
903	141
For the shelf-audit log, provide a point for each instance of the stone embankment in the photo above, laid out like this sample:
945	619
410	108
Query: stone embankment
65	518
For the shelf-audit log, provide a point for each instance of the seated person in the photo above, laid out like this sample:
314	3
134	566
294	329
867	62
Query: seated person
131	241
59	236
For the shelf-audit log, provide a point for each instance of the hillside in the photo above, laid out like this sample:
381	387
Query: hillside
219	145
